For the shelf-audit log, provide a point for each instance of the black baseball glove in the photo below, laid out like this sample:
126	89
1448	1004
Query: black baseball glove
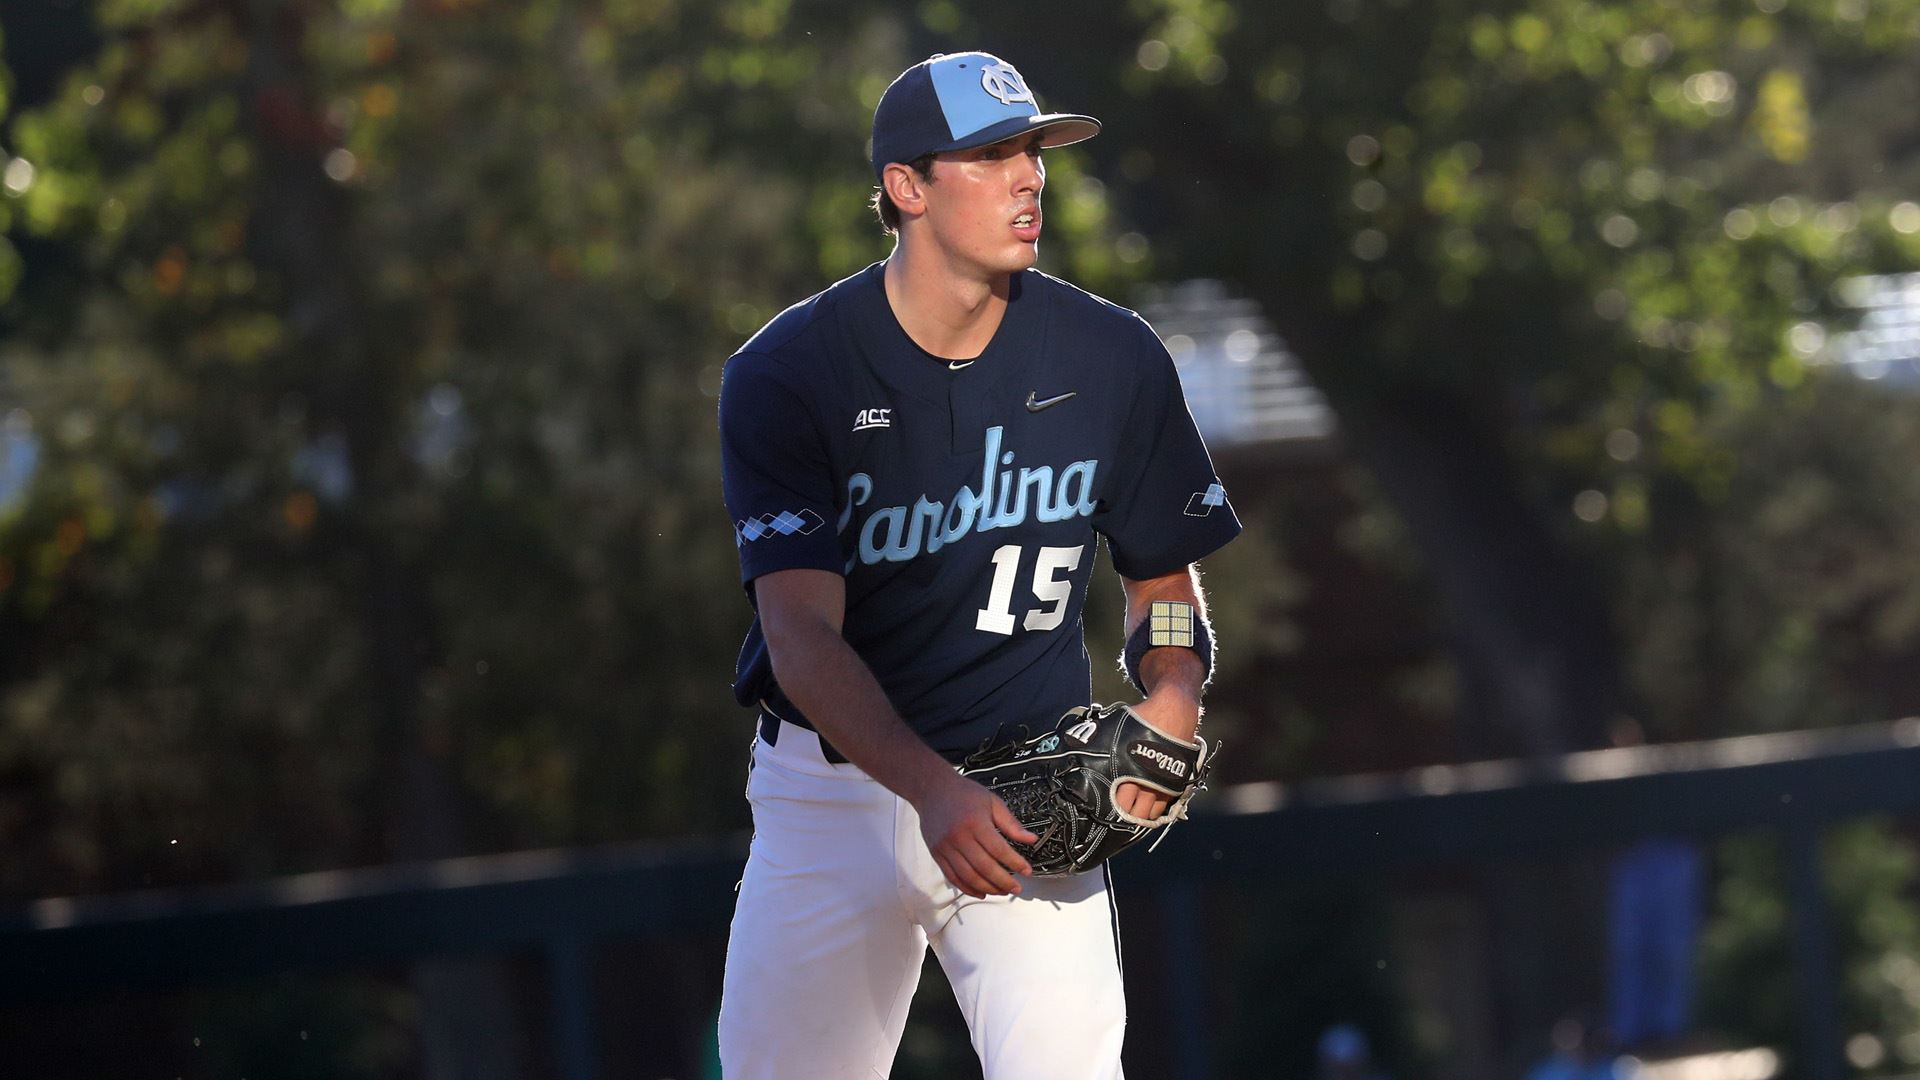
1061	783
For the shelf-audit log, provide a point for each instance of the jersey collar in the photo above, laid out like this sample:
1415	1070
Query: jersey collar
902	361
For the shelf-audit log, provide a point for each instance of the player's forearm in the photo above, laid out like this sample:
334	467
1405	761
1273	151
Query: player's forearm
833	686
1174	678
1175	673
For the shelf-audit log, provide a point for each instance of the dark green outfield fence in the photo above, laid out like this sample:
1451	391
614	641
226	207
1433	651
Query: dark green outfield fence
560	903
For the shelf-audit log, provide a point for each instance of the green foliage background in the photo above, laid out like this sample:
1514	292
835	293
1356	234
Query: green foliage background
371	350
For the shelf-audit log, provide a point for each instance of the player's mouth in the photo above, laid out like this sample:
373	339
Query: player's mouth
1026	225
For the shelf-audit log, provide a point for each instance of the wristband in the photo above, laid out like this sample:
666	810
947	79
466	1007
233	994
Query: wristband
1169	624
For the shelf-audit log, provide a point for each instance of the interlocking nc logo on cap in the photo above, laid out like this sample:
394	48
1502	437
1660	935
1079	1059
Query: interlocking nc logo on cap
954	101
1005	84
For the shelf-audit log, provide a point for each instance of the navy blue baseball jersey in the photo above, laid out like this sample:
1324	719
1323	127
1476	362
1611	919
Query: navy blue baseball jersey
962	499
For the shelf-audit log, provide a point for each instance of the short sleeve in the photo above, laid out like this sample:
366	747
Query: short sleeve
1166	506
774	472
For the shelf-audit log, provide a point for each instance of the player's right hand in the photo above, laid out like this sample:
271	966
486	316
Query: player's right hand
966	828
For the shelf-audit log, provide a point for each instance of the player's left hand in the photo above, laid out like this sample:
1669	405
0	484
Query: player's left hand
1176	715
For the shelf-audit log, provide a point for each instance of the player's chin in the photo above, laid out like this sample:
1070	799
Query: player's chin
1021	256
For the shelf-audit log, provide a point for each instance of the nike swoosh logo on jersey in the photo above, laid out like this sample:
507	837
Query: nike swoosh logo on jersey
1036	406
956	365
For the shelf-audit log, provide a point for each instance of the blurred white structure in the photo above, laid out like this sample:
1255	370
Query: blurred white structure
1886	345
1755	1064
1242	384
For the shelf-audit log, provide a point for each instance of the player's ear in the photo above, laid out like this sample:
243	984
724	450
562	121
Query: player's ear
906	188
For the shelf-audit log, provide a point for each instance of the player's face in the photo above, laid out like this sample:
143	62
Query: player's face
984	206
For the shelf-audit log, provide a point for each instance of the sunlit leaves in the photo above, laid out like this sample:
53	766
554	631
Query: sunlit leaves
1184	41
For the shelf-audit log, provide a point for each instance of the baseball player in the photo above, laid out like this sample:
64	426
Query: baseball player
918	462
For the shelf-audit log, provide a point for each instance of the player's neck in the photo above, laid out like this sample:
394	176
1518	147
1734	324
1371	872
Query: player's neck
949	313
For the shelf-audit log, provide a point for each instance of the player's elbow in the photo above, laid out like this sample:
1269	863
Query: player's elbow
794	641
800	614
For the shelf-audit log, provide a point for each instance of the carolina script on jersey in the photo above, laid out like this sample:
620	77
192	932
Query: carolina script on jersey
1006	496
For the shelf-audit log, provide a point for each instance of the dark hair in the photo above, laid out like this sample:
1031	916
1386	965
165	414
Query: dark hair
882	203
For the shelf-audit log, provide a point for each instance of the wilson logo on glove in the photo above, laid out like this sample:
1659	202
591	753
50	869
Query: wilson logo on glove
1161	758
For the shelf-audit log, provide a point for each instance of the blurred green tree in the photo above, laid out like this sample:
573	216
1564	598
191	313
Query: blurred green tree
1541	254
1747	976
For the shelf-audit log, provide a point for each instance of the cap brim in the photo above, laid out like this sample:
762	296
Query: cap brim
1058	129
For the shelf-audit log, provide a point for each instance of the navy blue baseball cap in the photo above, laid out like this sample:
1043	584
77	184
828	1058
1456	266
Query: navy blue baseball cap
960	100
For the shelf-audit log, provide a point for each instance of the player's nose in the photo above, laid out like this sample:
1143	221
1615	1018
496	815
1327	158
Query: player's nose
1029	174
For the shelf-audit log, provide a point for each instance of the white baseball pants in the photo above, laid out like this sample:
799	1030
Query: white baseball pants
838	905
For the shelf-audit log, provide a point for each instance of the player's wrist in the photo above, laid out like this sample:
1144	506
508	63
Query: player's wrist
928	778
1173	642
1174	694
1173	710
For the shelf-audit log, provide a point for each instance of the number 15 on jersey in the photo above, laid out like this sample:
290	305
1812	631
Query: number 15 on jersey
1051	586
